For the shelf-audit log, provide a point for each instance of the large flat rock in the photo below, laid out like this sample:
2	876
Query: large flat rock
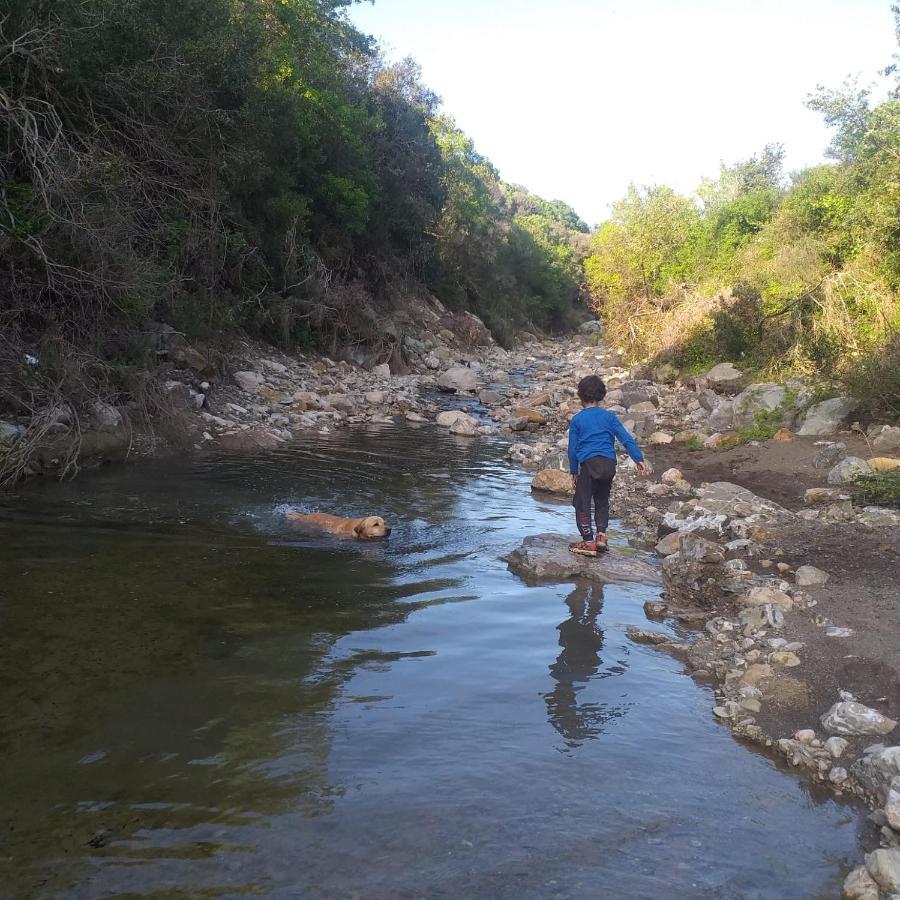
546	557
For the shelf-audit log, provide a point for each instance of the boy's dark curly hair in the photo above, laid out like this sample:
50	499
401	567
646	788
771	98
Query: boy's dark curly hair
591	389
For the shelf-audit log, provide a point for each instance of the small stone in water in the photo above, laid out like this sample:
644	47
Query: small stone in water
805	735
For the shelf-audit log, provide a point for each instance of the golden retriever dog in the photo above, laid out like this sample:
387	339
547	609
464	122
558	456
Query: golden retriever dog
368	529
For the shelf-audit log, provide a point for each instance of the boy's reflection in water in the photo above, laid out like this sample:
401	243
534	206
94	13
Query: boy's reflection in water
577	664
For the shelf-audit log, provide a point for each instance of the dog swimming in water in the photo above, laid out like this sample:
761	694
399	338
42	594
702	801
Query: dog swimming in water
369	528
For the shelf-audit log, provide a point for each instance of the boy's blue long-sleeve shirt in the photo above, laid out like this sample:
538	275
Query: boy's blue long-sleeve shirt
593	432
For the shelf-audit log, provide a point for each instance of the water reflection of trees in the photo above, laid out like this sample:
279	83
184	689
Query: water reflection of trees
169	686
578	664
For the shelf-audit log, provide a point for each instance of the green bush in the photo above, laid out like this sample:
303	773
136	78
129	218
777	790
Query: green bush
882	487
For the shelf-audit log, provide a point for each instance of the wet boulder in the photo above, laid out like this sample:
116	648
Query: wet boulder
553	481
460	378
546	557
877	768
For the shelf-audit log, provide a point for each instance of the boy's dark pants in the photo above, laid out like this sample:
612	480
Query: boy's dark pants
595	478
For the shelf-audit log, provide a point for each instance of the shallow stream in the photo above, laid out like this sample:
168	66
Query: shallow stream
198	701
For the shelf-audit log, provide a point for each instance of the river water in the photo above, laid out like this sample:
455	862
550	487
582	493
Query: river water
198	701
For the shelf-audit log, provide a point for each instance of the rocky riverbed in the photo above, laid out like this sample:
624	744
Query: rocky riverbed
787	581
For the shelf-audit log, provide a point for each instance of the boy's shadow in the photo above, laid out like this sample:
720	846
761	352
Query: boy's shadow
581	639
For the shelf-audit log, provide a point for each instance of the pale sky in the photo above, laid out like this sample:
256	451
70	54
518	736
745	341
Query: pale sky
577	98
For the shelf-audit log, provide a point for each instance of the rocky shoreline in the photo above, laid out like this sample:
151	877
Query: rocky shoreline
736	554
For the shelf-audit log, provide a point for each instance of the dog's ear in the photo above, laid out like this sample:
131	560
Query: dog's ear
360	528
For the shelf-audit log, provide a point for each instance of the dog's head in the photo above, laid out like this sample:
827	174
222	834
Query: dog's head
372	527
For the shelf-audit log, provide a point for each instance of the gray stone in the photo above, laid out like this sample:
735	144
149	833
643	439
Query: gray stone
10	432
809	576
877	768
830	455
884	866
892	804
722	416
671	543
848	470
884	437
851	718
459	378
383	370
249	382
465	427
827	417
644	636
633	392
450	417
860	885
836	746
756	400
724	377
878	517
590	327
546	557
489	398
105	416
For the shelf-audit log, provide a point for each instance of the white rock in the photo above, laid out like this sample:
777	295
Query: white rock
670	476
375	398
382	370
459	378
808	576
836	746
848	470
852	718
660	437
838	775
826	417
884	866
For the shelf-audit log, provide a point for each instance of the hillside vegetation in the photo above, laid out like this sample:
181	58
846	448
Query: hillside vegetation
241	167
795	273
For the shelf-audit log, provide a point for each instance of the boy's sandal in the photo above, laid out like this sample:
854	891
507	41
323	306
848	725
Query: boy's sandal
584	548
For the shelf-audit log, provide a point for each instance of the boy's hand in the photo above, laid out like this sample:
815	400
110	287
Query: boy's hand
642	469
574	482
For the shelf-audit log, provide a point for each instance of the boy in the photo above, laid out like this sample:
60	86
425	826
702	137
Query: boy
592	462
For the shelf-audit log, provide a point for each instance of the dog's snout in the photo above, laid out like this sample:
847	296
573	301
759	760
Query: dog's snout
387	530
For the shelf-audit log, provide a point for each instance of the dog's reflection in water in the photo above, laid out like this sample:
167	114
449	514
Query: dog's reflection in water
581	639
